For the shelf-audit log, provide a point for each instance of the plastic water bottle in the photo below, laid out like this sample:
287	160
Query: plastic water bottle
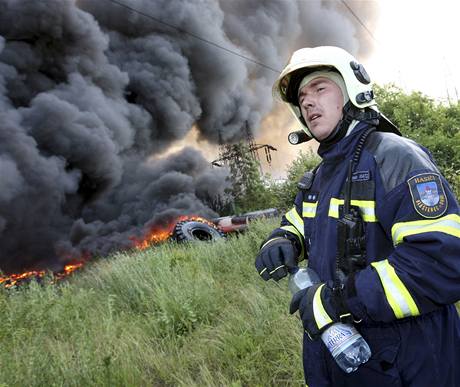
344	342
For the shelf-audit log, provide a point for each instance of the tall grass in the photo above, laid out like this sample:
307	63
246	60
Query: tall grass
173	315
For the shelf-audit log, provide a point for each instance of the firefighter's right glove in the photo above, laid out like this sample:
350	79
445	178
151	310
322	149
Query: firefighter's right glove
276	258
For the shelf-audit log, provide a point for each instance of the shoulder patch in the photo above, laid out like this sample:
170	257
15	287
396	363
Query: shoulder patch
397	157
428	196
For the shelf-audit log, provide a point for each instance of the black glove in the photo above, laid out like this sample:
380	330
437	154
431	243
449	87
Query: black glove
319	306
275	258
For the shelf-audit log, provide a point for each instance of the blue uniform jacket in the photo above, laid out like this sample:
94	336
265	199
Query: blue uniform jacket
405	295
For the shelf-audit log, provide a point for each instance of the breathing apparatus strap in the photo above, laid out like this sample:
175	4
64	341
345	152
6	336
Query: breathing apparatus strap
350	229
351	167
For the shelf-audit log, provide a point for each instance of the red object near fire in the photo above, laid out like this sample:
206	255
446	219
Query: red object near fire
234	223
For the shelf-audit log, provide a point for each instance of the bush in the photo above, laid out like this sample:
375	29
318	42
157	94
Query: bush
286	192
431	124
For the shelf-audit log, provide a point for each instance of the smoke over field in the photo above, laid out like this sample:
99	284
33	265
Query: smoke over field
91	90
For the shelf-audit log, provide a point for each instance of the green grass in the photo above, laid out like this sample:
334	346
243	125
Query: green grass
173	315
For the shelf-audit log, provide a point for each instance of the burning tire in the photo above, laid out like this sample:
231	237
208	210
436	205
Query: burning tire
193	230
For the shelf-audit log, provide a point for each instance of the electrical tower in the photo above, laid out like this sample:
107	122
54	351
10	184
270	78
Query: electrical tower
232	154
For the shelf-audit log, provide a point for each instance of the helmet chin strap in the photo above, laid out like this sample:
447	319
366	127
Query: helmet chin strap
349	113
341	128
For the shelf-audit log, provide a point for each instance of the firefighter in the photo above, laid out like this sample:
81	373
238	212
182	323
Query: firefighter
401	291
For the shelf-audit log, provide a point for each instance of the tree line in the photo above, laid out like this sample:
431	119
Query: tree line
431	124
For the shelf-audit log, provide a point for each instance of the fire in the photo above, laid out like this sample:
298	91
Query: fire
14	279
161	234
68	269
154	236
9	281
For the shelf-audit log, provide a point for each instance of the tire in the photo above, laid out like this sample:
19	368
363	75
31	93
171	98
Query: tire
193	230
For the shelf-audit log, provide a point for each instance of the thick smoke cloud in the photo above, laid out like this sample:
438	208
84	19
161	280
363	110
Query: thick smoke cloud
90	91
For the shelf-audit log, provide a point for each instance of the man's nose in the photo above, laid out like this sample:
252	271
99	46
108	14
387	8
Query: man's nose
308	102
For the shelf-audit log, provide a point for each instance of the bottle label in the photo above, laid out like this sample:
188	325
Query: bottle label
338	337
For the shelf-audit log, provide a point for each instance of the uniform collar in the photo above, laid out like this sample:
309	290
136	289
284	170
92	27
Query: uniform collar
345	147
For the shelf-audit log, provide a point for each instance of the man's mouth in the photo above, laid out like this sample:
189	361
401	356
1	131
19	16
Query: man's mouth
314	117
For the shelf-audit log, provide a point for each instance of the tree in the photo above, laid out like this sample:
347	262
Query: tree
433	125
286	192
246	184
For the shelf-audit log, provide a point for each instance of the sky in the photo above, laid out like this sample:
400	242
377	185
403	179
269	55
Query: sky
416	47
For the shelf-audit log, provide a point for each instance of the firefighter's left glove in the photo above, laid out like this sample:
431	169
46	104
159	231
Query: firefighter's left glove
276	258
319	306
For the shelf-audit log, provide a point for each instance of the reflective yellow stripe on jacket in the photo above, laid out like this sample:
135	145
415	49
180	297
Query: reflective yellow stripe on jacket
309	209
297	228
294	231
449	224
366	207
321	317
399	298
294	218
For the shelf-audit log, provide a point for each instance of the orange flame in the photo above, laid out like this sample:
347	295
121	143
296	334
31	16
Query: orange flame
14	279
9	281
161	234
154	236
68	269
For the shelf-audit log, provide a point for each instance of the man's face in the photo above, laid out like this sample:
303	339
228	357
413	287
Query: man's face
321	103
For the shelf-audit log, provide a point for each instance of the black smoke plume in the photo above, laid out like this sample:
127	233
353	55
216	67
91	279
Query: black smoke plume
92	93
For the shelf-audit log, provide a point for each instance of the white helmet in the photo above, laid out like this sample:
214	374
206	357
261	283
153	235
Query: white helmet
307	60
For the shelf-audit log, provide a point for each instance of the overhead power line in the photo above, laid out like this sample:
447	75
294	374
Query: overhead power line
182	30
359	20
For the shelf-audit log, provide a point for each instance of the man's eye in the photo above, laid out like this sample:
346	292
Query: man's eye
320	89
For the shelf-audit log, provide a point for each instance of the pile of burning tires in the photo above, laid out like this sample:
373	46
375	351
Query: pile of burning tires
203	230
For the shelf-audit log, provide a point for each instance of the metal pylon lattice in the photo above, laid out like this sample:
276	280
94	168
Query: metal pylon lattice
231	153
